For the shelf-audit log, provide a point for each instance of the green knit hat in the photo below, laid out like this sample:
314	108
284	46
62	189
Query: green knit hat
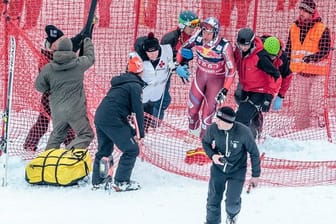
272	45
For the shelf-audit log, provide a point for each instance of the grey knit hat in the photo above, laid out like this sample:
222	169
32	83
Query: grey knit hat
65	45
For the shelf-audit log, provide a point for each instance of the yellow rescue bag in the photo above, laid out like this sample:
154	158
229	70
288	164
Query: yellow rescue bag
60	167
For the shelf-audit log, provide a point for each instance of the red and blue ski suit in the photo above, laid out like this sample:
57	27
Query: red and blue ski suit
215	69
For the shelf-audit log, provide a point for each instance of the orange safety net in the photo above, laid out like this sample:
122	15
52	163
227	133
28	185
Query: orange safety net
307	113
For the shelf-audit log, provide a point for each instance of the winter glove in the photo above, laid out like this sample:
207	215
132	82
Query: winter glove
87	34
277	104
238	94
221	96
306	59
276	76
310	58
187	53
182	71
266	105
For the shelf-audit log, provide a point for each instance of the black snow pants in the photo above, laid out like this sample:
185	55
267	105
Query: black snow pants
250	111
219	182
123	138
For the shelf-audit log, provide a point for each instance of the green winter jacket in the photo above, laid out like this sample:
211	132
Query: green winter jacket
63	77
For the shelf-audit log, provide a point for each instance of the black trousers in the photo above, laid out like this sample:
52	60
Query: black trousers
219	182
123	138
250	110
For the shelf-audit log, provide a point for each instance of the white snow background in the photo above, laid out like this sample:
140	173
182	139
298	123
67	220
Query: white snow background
166	198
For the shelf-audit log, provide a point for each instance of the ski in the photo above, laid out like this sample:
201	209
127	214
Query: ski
6	116
126	186
109	186
89	22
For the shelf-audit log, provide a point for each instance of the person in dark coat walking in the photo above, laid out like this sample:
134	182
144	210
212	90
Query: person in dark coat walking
227	144
113	128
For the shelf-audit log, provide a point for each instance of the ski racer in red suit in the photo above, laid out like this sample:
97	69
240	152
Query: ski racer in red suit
214	74
257	77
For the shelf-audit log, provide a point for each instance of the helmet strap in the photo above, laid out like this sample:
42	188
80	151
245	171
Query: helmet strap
181	26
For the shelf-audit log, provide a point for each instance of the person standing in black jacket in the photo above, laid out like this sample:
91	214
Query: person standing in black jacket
227	144
113	128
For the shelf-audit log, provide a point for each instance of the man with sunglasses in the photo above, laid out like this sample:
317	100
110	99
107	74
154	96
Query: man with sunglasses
227	143
188	22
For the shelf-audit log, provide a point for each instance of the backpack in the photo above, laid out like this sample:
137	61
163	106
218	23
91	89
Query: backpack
59	167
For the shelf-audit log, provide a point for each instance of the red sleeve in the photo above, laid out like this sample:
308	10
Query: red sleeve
230	65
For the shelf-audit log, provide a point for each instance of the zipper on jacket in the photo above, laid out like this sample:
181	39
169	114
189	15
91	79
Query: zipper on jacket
227	151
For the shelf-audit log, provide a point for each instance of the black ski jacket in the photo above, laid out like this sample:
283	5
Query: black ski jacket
234	144
123	98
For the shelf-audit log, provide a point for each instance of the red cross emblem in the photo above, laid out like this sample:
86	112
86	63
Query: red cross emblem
161	64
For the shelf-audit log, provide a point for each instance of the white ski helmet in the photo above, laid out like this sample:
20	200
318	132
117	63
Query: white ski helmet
211	23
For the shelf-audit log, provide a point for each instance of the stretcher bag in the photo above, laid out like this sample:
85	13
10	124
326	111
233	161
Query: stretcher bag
59	167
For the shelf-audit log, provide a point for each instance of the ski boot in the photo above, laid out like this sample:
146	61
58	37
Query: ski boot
126	186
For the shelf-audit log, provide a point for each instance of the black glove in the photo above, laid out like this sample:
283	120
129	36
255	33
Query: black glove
86	34
221	96
309	58
265	106
306	59
238	94
276	76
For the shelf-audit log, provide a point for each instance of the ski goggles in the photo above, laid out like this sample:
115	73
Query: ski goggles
207	27
193	23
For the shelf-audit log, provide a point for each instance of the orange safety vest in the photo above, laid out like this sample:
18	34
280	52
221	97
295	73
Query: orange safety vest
310	46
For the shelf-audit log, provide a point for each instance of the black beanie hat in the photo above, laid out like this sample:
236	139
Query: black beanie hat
53	33
226	114
308	5
151	43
